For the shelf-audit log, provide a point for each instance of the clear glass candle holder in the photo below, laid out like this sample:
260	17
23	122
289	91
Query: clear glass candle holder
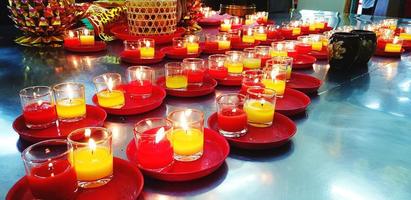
195	70
290	47
176	76
86	37
251	78
249	20
147	48
39	109
263	52
262	16
140	81
70	101
192	44
317	42
405	34
224	41
231	118
179	43
234	62
71	38
251	60
248	36
154	147
92	156
109	90
216	67
278	49
236	21
188	134
260	106
275	75
235	35
393	45
260	33
225	25
131	48
49	168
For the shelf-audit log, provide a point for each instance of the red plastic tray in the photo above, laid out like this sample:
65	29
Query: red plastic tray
292	103
216	150
230	81
127	183
158	57
319	55
382	53
137	105
241	45
209	22
269	41
406	45
304	62
95	117
212	51
208	87
121	32
168	51
282	130
97	47
304	83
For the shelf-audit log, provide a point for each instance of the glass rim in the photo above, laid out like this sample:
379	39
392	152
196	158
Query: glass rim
25	152
59	87
230	94
228	53
192	60
168	65
133	67
188	122
96	81
146	39
217	56
50	91
262	47
271	95
141	133
258	72
77	131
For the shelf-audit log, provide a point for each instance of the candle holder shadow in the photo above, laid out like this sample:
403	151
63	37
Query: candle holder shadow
97	47
263	155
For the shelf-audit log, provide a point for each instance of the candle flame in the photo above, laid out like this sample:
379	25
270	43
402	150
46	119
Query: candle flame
70	93
147	43
234	110
110	84
92	145
39	102
160	134
261	29
280	46
87	132
305	40
249	31
86	32
395	40
71	34
191	38
290	45
226	21
139	75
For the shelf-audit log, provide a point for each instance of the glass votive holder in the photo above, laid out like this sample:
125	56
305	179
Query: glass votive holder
92	156
317	41
260	33
86	37
49	168
290	46
393	45
278	49
154	147
195	70
249	20
235	35
236	22
146	47
39	109
70	101
272	31
390	23
263	53
262	16
192	43
231	118
210	41
251	60
176	76
224	41
234	62
225	25
71	38
259	106
248	36
288	61
109	90
188	134
140	81
304	45
251	78
274	76
405	34
131	48
216	67
179	43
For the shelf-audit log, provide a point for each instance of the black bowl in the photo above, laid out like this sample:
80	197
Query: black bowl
343	50
368	44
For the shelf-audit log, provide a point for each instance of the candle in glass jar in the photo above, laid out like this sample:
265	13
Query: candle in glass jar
259	111
232	119
234	63
316	42
188	141
146	47
277	85
40	113
260	33
140	87
176	81
192	44
224	41
278	49
71	38
225	25
70	102
395	46
87	37
110	97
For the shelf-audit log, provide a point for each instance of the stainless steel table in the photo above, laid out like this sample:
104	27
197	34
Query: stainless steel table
354	141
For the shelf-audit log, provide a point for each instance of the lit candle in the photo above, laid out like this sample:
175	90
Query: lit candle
272	31
225	25
278	49
259	106
291	50
263	53
316	42
71	105
71	38
248	36
395	46
234	62
107	95
216	67
180	45
87	37
260	33
194	68
250	60
406	35
224	41
231	119
236	22
251	78
249	20
304	45
146	47
176	76
131	49
274	76
192	44
140	81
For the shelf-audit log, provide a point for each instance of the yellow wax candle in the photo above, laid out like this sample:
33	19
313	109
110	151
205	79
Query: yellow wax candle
225	27
319	25
71	108
393	27
278	53
390	47
249	22
405	36
176	82
325	42
252	63
288	74
312	27
234	67
296	31
94	164
222	44
277	85
111	99
248	39
260	36
147	52
187	142
317	46
192	47
87	39
259	111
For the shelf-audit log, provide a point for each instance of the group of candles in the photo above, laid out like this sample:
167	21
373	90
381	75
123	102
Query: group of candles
84	37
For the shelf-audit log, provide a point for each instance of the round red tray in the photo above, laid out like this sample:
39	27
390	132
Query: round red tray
269	41
212	51
168	51
137	105
95	117
282	130
158	57
382	53
230	81
319	55
293	102
208	87
127	183
304	83
406	45
97	47
121	32
304	62
216	150
209	22
241	45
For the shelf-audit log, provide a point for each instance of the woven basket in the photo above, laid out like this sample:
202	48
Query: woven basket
151	17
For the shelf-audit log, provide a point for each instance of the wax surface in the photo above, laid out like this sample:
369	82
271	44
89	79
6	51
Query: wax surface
37	114
248	39
187	142
192	48
176	82
303	48
317	46
234	68
225	27
147	52
232	120
389	47
195	76
111	99
93	165
222	45
71	41
405	36
71	108
260	36
211	45
252	63
87	39
139	87
219	73
278	53
296	31
258	111
277	85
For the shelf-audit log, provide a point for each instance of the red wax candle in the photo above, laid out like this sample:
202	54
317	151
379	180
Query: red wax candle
55	180
264	60
232	119
211	45
236	26
132	53
154	154
303	48
140	87
195	76
218	73
381	43
292	53
286	32
39	113
235	39
246	84
180	51
71	41
305	29
271	34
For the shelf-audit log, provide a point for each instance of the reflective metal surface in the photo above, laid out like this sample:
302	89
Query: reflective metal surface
352	143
